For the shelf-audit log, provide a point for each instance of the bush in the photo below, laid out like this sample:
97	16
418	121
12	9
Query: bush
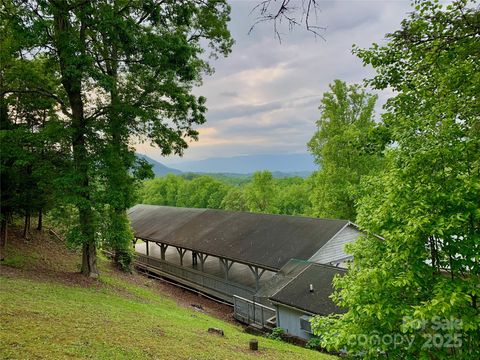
277	333
314	343
123	259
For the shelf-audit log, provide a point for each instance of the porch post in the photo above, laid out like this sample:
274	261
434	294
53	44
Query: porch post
257	274
226	266
203	258
181	252
163	250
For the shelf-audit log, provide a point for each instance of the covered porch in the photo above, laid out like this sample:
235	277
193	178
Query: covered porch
219	276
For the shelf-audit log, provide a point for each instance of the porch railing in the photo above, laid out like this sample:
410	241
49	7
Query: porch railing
204	280
251	312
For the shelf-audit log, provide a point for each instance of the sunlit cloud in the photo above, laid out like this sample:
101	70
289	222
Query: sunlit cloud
264	97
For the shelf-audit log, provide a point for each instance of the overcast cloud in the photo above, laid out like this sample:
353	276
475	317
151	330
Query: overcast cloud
263	98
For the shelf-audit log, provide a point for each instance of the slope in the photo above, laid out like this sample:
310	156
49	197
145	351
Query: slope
50	312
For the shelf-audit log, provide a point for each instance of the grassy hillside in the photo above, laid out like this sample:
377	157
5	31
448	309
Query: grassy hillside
50	312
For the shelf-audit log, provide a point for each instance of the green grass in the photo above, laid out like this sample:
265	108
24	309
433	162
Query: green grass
116	320
16	261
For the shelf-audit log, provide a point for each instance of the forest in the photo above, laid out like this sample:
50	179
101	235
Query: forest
80	81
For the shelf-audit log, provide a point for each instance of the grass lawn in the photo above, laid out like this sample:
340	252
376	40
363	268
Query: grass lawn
51	317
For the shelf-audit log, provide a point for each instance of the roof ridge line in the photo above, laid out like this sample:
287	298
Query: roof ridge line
250	213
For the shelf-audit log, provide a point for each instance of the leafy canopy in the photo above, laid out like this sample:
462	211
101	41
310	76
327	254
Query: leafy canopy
425	204
345	147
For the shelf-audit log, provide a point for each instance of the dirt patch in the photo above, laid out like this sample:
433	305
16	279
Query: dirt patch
42	257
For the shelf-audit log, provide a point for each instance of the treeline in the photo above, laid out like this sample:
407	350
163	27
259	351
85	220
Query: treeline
262	193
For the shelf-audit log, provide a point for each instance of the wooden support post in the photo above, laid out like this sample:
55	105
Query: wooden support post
257	274
203	258
147	249
181	252
194	259
227	264
163	249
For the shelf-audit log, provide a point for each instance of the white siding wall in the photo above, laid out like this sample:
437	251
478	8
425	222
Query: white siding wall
333	250
289	320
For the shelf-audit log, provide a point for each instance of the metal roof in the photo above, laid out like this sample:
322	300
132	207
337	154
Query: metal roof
297	293
288	272
264	240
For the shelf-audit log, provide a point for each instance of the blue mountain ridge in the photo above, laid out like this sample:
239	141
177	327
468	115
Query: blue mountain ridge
281	165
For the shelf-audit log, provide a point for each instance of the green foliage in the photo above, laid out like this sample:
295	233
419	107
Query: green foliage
235	200
293	198
260	193
118	237
347	146
314	343
32	146
117	71
202	192
421	283
276	333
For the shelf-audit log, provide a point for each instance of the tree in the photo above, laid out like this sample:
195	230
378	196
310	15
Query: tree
421	284
260	193
346	146
202	192
138	61
235	200
293	13
163	190
32	151
293	196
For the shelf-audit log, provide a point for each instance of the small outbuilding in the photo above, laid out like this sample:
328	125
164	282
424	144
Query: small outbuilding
305	295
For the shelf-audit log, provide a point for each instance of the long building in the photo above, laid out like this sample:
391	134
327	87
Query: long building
239	257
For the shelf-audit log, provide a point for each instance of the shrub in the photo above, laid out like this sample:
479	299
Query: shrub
277	333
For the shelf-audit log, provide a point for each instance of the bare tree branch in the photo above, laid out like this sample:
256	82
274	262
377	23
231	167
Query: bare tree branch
293	13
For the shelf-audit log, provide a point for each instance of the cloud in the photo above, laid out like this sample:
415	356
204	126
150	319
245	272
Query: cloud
229	93
217	115
264	97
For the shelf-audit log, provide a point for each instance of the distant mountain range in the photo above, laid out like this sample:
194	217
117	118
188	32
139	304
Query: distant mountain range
158	168
281	165
285	163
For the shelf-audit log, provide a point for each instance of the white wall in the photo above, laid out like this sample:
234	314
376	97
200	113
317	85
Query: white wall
333	250
289	320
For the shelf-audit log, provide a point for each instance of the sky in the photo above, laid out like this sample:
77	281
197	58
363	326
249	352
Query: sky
264	97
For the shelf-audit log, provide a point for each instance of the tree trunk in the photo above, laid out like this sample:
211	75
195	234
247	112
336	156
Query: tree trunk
71	72
89	260
118	178
40	220
3	236
26	226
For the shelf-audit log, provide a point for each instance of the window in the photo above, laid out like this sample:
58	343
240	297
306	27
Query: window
305	323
